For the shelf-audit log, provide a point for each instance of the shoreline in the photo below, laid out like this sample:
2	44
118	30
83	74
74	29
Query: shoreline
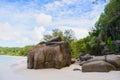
18	70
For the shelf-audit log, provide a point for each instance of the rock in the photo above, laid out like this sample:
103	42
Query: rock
114	60
98	66
97	58
105	50
117	42
118	55
85	57
73	60
83	62
76	69
55	39
30	55
49	55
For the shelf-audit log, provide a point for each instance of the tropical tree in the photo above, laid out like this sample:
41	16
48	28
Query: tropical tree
107	28
67	35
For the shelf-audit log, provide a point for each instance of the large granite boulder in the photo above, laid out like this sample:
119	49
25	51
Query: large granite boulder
98	66
51	54
114	60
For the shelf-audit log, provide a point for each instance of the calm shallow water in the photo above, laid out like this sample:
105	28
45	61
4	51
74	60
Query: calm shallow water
9	59
6	72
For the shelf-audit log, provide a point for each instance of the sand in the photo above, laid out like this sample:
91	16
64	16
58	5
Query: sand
18	71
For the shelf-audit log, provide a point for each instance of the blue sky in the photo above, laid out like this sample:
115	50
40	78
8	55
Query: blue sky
24	22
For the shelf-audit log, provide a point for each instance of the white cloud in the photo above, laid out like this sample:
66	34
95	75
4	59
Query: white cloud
44	19
69	1
32	37
24	40
60	8
53	6
80	23
38	32
58	4
83	25
7	32
23	37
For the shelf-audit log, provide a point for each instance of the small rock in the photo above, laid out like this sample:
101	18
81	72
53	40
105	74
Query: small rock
76	69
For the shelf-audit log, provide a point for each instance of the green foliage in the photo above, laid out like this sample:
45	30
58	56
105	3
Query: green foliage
15	51
47	37
75	55
67	35
111	46
107	29
81	46
109	21
105	32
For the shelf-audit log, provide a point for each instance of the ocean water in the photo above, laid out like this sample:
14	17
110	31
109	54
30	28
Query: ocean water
9	59
6	71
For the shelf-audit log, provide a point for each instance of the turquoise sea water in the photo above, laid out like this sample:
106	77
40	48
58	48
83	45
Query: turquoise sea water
6	71
9	59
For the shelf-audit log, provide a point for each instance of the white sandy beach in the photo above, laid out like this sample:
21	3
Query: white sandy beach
17	70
